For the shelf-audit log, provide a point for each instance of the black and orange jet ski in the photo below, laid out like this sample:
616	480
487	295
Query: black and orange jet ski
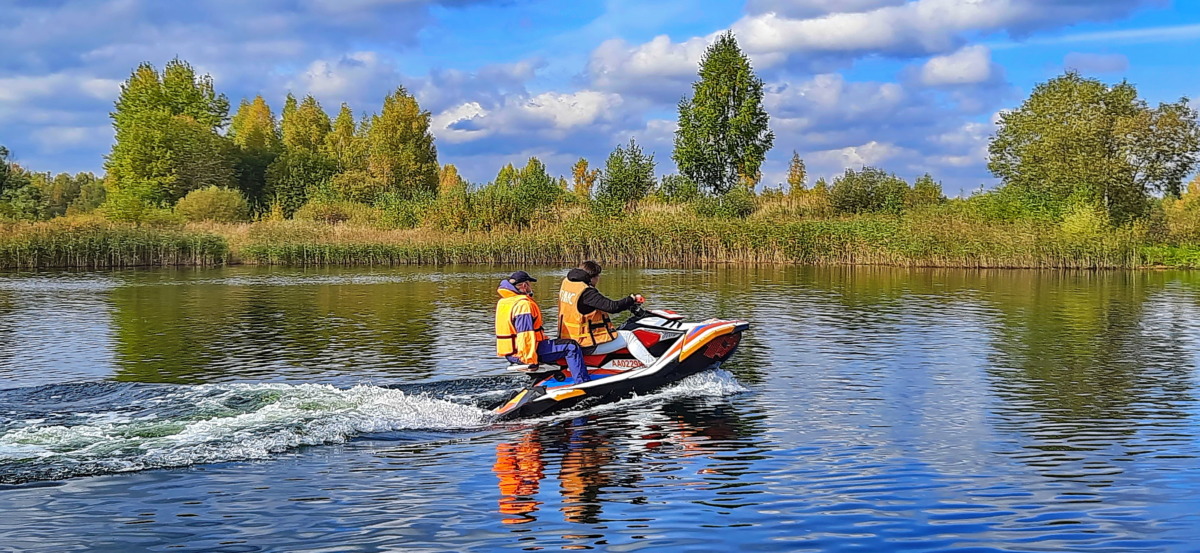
680	349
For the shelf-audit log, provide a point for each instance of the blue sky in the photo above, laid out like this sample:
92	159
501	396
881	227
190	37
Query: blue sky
911	86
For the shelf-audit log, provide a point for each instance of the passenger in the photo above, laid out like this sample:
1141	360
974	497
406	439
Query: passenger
519	334
583	315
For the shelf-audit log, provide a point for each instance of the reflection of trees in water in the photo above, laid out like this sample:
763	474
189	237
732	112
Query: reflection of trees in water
199	332
609	459
1082	364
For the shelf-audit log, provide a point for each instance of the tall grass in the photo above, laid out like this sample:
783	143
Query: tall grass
63	243
665	235
929	241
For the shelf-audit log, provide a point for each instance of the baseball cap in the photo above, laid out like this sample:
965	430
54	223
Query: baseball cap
521	276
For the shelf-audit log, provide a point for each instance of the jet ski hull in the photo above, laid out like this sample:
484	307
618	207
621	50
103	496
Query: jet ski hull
699	347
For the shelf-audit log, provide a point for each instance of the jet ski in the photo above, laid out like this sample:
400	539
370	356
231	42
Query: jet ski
680	348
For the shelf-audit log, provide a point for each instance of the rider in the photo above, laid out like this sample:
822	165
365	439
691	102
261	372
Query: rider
583	315
519	335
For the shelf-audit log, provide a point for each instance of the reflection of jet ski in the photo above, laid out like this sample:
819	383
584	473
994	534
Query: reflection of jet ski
680	348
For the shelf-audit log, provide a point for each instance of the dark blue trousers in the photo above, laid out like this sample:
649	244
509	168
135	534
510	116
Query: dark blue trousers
550	351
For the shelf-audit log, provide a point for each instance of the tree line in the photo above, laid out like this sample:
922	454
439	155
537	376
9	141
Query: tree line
1075	146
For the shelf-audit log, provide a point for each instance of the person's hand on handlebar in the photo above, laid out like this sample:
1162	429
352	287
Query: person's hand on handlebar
638	298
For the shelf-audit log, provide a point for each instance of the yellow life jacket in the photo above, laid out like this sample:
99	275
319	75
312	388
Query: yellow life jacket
589	330
508	340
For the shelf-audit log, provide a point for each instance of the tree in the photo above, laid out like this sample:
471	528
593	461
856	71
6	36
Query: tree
535	189
1077	140
797	174
924	192
166	136
723	135
448	178
293	176
678	189
628	176
870	190
400	150
223	205
254	132
584	179
304	127
344	145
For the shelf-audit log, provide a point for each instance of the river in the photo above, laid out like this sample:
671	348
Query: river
867	409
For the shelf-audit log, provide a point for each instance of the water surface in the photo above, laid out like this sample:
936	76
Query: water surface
868	409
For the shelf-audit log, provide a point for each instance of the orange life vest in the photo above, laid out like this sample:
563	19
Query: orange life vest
589	330
508	340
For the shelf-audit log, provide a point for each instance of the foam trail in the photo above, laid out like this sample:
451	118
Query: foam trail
216	423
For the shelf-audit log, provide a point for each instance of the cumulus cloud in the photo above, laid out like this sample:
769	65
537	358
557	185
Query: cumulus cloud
659	69
1096	63
970	65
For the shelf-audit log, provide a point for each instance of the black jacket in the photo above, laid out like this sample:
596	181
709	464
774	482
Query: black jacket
591	299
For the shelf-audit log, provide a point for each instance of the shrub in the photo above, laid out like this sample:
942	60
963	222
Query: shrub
868	191
337	211
738	203
394	211
223	205
677	189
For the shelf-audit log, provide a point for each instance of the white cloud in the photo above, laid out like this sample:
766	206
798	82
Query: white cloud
970	65
871	153
814	8
453	124
1096	63
773	31
565	111
652	67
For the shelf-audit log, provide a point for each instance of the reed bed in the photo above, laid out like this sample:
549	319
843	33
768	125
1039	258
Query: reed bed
93	245
649	239
691	241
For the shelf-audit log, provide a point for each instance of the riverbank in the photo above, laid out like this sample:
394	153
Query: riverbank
636	240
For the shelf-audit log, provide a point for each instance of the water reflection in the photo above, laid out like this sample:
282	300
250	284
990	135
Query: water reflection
601	460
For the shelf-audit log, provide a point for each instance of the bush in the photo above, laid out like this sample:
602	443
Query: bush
394	211
223	205
868	191
337	211
677	189
738	203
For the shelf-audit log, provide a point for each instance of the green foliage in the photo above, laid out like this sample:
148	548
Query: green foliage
344	144
304	127
401	156
92	245
925	192
677	189
1183	215
584	179
401	212
254	132
292	177
738	203
333	211
91	196
166	135
223	205
628	176
797	174
20	197
453	209
535	191
1078	141
870	190
723	133
1084	222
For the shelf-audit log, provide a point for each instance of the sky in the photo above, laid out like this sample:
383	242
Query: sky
909	86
